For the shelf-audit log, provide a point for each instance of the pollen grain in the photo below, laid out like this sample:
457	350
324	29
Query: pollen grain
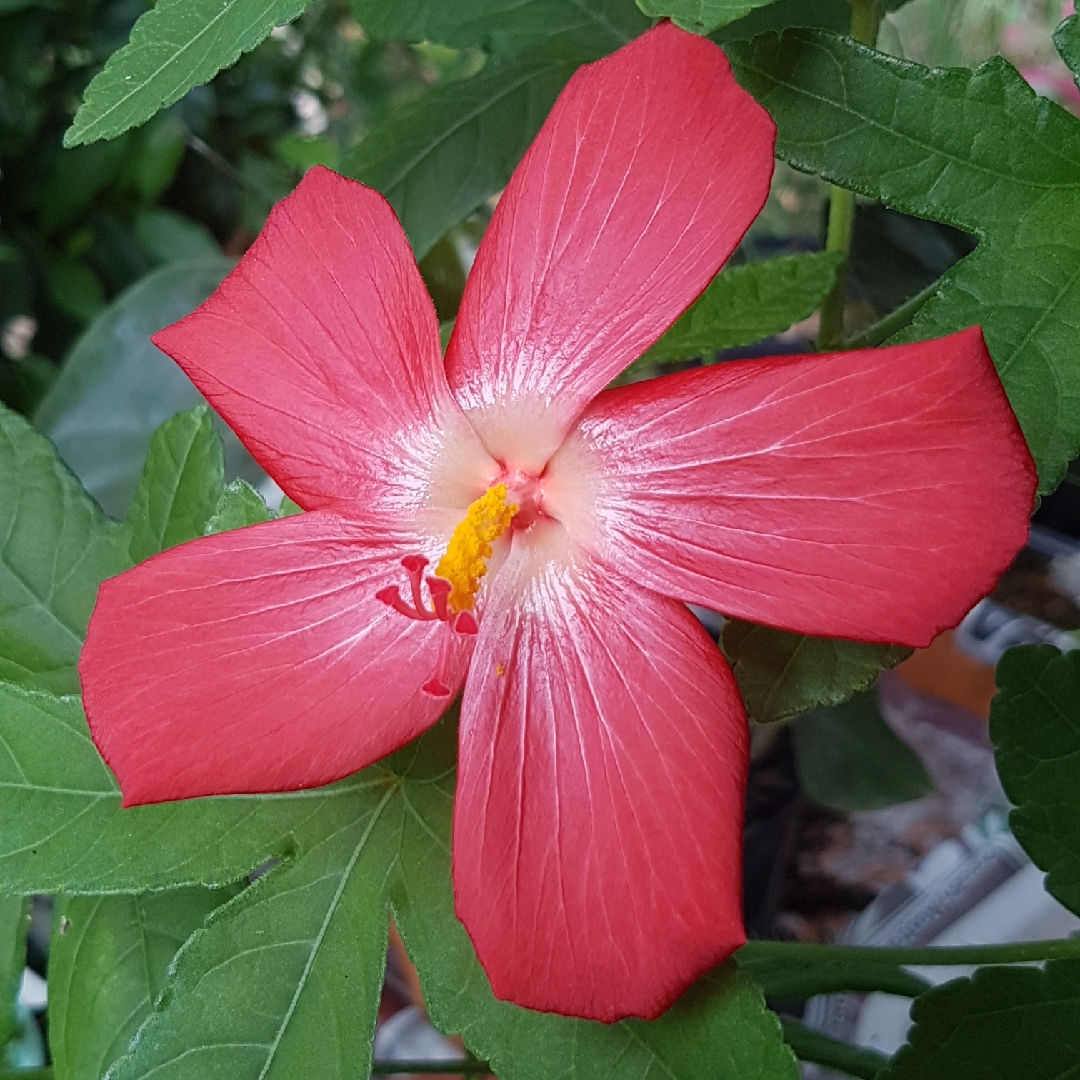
465	561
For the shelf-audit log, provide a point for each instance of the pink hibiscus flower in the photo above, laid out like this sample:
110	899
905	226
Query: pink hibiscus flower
500	522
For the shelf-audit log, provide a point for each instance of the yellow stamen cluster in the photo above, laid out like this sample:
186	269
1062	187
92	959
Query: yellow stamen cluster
465	561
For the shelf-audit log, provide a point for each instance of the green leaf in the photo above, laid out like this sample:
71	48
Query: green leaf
700	16
64	829
116	388
437	159
784	977
848	757
1067	40
155	155
299	956
180	486
574	30
1002	1022
747	303
74	288
303	152
107	963
978	150
782	675
176	45
239	505
14	923
1035	726
73	178
55	549
171	237
779	15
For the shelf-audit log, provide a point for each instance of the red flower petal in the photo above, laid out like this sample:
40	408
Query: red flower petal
873	494
644	177
598	819
321	350
257	660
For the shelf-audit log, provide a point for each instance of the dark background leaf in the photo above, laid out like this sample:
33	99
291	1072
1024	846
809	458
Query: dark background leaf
439	158
116	388
848	757
1035	725
569	30
1003	1022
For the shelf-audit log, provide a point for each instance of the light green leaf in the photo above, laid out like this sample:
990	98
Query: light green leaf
1035	726
55	549
176	45
572	30
14	923
180	486
239	505
1002	1022
107	963
116	388
848	757
747	303
64	829
978	150
299	956
700	16
437	159
782	675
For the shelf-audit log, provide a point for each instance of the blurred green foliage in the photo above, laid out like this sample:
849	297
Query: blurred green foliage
79	226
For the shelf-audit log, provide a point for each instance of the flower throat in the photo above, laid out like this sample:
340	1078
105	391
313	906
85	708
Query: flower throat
453	588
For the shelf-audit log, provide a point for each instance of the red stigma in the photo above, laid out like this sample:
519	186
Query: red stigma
463	622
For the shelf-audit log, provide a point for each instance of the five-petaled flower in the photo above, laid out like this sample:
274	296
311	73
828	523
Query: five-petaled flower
500	522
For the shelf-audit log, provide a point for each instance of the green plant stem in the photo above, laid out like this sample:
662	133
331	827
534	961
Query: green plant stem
866	16
447	1068
44	1073
921	956
896	320
810	1045
841	221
